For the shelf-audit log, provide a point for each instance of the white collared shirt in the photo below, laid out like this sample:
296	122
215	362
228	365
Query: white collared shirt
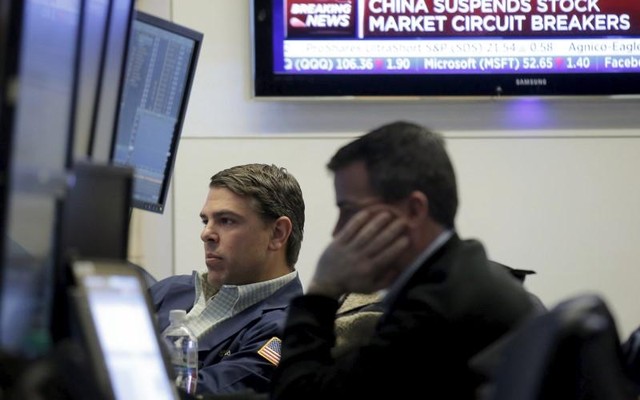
230	300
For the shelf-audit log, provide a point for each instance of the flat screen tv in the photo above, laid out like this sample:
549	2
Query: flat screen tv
161	64
449	48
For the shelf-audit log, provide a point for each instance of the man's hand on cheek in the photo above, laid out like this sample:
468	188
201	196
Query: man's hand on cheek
360	257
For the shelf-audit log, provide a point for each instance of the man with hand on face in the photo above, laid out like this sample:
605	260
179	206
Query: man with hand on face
444	300
253	221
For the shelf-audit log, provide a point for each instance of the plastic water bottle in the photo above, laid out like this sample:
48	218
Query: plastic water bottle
183	348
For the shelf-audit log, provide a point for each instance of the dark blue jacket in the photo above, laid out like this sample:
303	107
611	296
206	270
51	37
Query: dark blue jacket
228	355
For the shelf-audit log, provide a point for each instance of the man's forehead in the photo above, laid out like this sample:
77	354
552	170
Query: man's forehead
352	181
221	198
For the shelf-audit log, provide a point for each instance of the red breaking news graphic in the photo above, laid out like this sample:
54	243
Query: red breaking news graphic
321	18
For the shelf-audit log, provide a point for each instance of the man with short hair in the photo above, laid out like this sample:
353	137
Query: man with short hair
444	300
253	221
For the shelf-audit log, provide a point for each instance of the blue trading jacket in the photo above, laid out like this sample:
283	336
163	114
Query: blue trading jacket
230	357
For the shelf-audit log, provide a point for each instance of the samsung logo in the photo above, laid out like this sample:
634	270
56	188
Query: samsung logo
531	82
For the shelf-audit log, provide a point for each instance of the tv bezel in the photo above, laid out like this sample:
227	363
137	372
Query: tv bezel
266	84
196	37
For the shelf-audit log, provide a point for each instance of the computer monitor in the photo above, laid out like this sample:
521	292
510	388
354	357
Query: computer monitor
94	224
40	54
111	76
161	64
8	65
95	218
93	40
130	361
45	46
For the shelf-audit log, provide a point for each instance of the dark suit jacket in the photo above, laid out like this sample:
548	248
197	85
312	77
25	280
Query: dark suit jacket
228	356
456	304
631	357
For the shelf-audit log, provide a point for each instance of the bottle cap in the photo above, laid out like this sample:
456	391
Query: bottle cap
177	315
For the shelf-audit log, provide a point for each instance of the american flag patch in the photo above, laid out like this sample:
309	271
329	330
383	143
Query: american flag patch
271	350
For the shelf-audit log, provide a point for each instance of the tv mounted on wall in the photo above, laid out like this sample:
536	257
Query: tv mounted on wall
450	48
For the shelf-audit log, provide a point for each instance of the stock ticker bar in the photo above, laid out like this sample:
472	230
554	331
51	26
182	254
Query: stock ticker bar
459	56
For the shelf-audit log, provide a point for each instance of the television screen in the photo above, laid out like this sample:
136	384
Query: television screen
161	63
343	48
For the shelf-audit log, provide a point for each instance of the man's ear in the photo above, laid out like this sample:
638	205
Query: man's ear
417	205
280	233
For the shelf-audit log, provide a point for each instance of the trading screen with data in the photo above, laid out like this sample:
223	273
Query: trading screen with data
159	72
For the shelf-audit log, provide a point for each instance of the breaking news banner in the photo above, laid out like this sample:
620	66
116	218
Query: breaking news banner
321	18
460	18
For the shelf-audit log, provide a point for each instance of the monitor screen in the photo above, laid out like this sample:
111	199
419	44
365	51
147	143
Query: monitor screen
36	121
95	217
92	49
130	360
161	64
111	76
94	223
422	48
